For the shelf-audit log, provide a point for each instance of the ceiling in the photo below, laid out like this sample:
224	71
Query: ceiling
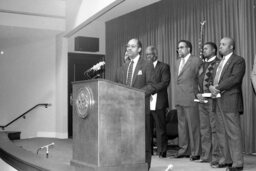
124	7
11	36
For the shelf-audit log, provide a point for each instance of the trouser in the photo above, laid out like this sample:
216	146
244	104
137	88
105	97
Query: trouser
189	130
209	143
230	137
159	118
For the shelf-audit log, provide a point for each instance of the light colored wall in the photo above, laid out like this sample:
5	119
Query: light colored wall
27	73
28	67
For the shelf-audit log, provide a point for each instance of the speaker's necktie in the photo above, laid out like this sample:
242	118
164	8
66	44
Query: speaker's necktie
218	72
129	74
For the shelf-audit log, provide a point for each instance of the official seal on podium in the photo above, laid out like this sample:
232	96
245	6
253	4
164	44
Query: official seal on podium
84	102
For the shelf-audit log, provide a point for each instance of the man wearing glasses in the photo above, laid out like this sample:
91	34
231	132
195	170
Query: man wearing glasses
186	88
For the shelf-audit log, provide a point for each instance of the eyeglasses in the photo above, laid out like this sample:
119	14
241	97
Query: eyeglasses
149	54
181	47
131	46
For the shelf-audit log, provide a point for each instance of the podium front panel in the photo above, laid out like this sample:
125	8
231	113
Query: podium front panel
108	126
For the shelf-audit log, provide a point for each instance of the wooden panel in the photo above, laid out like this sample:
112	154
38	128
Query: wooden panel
112	136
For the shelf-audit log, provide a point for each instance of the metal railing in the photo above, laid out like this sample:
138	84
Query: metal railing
23	115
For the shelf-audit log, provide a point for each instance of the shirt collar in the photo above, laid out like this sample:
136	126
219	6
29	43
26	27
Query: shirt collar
187	56
155	63
228	56
211	59
135	60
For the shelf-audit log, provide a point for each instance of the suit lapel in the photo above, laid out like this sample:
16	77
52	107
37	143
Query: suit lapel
177	68
185	67
138	66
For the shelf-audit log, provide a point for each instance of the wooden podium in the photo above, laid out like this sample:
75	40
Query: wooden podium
108	127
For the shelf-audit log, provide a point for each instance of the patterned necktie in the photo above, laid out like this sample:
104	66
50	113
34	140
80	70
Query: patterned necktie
182	63
129	74
208	68
218	72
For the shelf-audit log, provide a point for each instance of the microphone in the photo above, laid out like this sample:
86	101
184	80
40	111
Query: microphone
46	147
87	71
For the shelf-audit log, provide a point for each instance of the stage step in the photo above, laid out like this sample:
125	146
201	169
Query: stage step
13	135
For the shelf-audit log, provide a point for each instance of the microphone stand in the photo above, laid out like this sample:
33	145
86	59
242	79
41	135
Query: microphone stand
45	147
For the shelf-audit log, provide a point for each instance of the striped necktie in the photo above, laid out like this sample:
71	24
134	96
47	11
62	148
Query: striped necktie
129	74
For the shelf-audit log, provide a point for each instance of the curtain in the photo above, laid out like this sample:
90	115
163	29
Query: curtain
166	22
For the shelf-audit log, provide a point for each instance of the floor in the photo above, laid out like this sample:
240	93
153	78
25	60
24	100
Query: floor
158	164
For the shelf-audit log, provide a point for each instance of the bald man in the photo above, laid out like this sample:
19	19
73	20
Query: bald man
228	78
159	101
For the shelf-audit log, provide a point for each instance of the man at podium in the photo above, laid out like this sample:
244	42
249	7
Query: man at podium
138	74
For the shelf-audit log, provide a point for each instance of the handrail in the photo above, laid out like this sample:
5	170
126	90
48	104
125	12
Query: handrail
23	115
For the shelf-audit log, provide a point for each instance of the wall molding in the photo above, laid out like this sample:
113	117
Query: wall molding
52	135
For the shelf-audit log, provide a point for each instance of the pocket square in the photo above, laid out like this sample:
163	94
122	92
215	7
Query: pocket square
140	72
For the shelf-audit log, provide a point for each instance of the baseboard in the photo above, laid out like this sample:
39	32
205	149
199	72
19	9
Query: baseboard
52	135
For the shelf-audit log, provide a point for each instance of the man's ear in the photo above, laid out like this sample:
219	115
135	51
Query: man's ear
140	50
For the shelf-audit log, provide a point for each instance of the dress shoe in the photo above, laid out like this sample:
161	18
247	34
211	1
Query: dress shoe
221	165
192	158
203	161
181	156
162	154
214	164
234	168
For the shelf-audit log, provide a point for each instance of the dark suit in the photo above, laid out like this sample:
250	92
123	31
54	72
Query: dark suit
210	151
186	88
142	79
228	108
162	79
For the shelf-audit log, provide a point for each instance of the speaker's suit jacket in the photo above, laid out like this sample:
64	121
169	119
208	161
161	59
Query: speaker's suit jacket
162	79
230	85
142	77
186	86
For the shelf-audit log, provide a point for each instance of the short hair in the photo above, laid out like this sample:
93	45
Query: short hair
213	45
153	49
188	44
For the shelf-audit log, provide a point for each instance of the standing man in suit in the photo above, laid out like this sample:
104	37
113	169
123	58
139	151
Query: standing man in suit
138	74
159	101
253	74
207	116
228	82
186	89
